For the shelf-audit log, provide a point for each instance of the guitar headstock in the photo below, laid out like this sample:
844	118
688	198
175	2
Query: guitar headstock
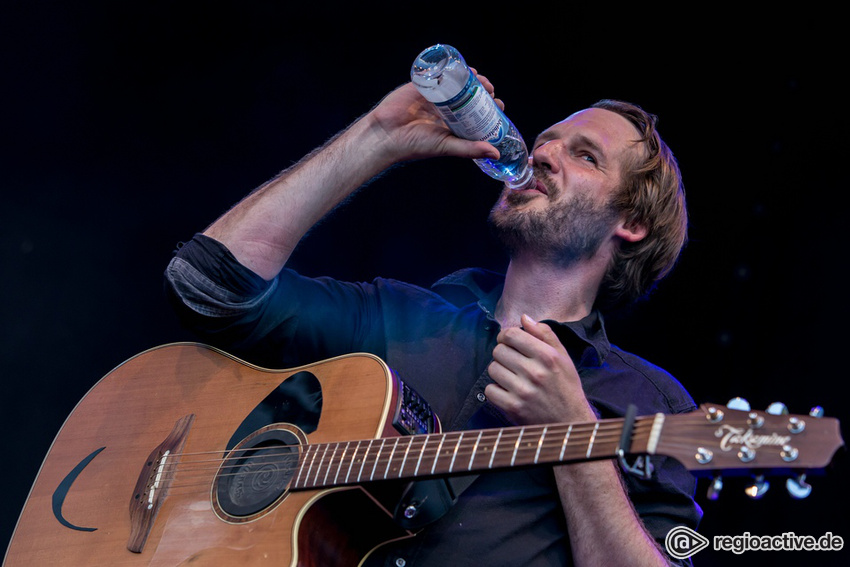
735	440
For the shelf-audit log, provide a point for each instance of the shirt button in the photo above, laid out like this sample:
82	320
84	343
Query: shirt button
400	562
481	397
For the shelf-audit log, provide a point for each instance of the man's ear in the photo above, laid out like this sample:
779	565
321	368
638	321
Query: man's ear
631	231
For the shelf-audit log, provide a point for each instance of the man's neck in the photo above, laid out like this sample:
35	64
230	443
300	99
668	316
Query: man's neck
543	291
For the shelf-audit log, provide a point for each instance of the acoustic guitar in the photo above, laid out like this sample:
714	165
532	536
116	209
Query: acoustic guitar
185	455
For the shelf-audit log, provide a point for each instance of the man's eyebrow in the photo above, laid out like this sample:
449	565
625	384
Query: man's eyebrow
578	139
544	136
583	140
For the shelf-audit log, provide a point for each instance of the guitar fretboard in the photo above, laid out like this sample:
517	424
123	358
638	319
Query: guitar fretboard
353	462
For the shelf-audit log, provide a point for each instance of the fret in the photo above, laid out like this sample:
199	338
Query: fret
421	454
530	446
341	461
495	445
410	442
312	463
363	459
564	444
437	455
454	453
474	450
377	458
509	446
305	454
544	447
310	467
390	459
302	463
353	461
328	468
320	465
516	445
592	437
540	444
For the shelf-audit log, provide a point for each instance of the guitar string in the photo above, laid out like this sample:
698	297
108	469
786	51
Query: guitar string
368	458
429	452
686	445
428	445
203	480
370	461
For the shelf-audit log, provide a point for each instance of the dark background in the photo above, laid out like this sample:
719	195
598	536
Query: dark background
128	126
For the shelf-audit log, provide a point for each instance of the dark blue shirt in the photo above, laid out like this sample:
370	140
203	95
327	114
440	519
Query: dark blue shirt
440	342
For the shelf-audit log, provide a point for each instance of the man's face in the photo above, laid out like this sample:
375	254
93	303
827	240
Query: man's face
567	214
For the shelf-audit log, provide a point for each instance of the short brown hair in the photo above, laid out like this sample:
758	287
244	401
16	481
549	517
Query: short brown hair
652	195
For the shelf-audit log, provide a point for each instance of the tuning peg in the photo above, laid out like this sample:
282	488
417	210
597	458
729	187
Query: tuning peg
714	488
798	487
758	488
738	404
777	408
816	411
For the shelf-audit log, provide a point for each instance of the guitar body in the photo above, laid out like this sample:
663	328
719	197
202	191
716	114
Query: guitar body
78	512
184	455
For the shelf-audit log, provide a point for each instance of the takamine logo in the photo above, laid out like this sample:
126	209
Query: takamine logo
732	437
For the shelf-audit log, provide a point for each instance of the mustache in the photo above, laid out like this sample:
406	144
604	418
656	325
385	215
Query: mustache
542	175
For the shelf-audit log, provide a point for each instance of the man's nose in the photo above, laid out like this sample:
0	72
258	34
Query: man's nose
545	156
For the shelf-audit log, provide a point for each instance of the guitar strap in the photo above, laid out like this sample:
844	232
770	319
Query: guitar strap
426	501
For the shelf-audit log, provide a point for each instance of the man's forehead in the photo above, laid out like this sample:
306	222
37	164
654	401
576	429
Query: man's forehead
606	122
605	128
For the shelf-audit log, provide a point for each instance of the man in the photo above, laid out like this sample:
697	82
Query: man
604	220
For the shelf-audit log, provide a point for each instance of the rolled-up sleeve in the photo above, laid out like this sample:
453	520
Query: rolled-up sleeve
286	321
208	279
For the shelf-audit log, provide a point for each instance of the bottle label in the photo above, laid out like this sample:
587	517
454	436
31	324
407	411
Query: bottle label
473	115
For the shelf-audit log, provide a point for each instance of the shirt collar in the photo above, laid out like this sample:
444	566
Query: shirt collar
586	339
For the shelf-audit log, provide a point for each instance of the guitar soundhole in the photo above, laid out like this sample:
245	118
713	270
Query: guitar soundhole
255	475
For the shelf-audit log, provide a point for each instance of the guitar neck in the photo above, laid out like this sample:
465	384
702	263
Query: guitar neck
458	452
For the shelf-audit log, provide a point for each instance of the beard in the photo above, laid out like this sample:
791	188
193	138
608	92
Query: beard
561	234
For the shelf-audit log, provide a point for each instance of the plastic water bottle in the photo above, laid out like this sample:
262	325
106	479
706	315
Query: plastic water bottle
443	77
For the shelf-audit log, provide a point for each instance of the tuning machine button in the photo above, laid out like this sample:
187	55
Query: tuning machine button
798	487
738	404
777	408
816	411
714	488
758	488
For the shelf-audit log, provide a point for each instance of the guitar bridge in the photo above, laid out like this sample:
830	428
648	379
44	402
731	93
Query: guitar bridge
153	483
